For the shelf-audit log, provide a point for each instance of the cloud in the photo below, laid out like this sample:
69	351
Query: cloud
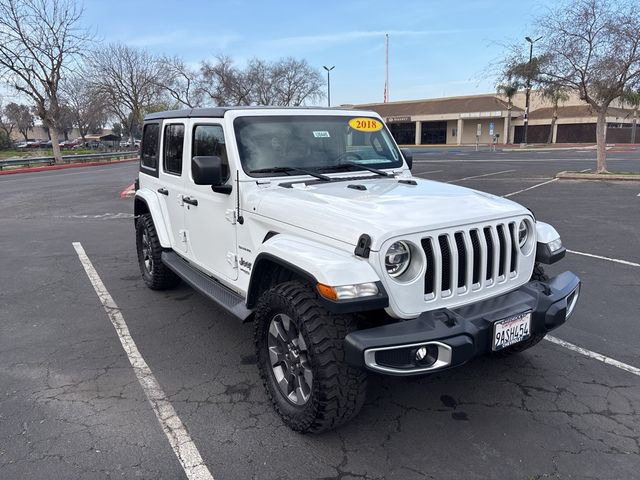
182	38
324	40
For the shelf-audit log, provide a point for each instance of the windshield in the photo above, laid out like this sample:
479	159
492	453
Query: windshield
318	143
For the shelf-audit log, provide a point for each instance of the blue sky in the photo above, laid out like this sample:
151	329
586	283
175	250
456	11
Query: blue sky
437	48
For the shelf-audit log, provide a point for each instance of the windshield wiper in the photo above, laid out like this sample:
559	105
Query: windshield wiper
287	170
360	165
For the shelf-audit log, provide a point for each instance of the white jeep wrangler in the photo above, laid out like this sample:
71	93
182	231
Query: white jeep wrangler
309	223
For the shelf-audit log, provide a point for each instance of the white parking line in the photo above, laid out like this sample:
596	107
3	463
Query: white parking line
530	188
480	176
178	436
614	260
425	173
594	355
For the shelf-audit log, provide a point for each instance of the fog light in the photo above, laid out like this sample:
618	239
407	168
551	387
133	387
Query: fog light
426	355
421	353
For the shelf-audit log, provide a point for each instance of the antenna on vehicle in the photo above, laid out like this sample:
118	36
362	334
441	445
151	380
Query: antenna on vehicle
240	218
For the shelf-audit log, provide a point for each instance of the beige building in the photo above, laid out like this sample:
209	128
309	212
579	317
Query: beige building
489	117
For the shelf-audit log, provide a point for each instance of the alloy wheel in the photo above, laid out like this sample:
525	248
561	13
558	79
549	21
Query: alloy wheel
289	360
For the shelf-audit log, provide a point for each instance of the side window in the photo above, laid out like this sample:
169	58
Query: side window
173	146
149	152
208	140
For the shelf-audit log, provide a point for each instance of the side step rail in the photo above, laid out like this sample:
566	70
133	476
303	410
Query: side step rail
207	286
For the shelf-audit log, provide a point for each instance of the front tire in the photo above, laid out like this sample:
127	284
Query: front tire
155	274
299	346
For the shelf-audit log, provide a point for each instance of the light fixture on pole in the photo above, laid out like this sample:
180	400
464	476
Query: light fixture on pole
328	69
528	94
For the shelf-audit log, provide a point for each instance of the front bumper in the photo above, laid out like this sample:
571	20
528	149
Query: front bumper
454	337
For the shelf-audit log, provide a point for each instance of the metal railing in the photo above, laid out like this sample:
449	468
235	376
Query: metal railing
32	161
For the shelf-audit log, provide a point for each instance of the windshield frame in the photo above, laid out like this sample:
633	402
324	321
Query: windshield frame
326	169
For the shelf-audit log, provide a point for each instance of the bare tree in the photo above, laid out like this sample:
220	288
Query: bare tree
181	82
39	40
130	79
508	90
87	106
19	117
287	82
6	125
592	47
296	82
261	75
556	95
225	84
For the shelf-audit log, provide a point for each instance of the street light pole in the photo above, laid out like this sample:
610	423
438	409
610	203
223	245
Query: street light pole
328	69
528	94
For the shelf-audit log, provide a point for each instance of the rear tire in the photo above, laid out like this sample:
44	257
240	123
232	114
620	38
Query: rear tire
155	274
299	346
537	275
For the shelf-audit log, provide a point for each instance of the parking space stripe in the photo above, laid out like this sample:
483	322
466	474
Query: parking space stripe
600	257
178	436
480	176
594	355
425	173
530	188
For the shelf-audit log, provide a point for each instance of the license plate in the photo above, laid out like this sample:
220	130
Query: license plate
511	330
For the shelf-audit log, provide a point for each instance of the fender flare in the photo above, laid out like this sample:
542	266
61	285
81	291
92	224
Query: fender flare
150	201
317	263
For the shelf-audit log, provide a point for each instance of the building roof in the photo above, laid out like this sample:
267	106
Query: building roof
440	106
577	111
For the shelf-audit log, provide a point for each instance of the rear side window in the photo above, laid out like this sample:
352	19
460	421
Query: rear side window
149	152
173	146
208	141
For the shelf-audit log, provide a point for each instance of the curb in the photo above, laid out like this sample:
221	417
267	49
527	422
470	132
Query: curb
64	166
129	192
597	176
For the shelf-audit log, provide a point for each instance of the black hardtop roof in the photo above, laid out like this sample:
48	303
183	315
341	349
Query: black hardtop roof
218	112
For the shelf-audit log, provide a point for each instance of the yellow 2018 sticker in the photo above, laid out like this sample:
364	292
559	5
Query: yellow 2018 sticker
365	124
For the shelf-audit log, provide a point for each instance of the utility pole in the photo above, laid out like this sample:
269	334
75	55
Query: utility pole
528	94
386	69
328	69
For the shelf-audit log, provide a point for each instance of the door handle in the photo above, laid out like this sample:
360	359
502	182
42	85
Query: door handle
163	191
190	201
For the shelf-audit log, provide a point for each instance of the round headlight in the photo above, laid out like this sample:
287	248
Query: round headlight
397	259
523	234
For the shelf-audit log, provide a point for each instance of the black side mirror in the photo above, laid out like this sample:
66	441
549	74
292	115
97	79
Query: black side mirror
209	171
408	156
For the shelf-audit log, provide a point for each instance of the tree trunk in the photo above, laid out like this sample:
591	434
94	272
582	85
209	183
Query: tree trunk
601	139
508	120
53	133
553	124
635	125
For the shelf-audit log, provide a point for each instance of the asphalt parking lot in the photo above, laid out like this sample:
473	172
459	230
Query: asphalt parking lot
72	407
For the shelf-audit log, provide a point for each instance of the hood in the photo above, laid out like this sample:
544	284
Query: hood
380	207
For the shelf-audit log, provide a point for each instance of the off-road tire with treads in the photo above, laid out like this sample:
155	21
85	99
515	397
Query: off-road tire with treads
160	277
539	275
338	390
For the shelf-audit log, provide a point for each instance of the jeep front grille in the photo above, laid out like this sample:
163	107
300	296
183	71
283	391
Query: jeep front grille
470	259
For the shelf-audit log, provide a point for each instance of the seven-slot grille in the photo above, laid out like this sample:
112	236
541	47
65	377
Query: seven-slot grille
470	259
